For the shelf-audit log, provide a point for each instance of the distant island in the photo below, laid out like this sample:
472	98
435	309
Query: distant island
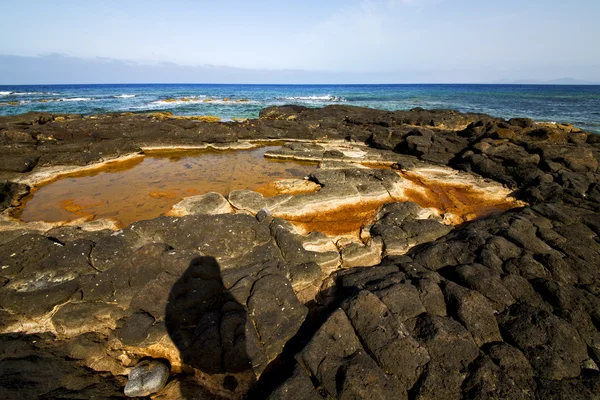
560	81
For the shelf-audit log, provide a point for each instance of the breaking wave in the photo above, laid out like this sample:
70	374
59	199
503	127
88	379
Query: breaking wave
28	94
201	100
124	96
325	98
75	99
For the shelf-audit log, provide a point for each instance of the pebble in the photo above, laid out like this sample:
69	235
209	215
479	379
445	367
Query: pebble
147	377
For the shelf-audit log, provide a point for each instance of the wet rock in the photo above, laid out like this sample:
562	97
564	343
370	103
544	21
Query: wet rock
253	202
147	378
209	203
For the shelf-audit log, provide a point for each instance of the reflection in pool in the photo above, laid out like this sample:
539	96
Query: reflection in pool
146	187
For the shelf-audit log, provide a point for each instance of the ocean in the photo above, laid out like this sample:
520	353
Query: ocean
578	105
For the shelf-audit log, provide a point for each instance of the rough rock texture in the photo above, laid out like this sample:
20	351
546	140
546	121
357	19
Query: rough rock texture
400	227
505	306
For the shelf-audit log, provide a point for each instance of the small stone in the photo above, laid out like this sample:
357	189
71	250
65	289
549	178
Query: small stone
146	378
263	214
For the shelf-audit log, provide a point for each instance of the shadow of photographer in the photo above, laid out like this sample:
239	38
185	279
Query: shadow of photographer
208	325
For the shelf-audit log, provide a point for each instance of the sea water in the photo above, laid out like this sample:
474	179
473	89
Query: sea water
578	105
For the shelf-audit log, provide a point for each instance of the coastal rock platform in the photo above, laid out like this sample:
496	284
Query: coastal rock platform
432	255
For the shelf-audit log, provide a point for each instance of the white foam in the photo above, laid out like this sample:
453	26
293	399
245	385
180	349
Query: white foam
230	102
75	99
124	96
5	93
31	93
176	102
201	100
326	97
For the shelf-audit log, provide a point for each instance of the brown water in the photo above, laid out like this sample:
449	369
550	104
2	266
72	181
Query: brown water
146	187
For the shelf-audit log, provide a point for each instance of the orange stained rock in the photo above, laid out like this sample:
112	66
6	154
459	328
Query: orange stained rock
340	221
461	202
464	202
147	187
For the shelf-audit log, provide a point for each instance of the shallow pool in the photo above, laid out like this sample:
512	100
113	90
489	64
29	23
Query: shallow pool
147	187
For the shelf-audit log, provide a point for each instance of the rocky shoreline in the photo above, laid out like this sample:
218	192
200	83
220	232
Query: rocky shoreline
227	298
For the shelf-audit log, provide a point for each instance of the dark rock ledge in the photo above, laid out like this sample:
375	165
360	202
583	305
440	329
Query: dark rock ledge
506	306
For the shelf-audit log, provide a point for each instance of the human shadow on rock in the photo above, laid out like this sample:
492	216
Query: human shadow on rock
207	324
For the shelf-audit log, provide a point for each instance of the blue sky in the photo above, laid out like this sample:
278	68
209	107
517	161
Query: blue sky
405	40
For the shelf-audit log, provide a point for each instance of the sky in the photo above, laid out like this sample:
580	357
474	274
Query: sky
370	41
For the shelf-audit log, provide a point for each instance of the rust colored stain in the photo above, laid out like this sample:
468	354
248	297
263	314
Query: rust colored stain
463	201
147	187
340	221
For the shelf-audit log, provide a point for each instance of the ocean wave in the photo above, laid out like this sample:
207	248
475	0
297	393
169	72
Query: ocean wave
75	99
124	96
28	94
200	100
326	98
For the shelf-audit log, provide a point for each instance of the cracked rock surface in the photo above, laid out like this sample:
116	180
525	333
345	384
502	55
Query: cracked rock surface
243	306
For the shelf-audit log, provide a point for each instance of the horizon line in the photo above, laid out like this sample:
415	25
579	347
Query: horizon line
310	84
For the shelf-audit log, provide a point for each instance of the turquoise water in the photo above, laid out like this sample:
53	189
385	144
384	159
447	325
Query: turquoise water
579	105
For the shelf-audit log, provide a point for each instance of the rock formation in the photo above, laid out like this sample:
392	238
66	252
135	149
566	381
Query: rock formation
227	299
